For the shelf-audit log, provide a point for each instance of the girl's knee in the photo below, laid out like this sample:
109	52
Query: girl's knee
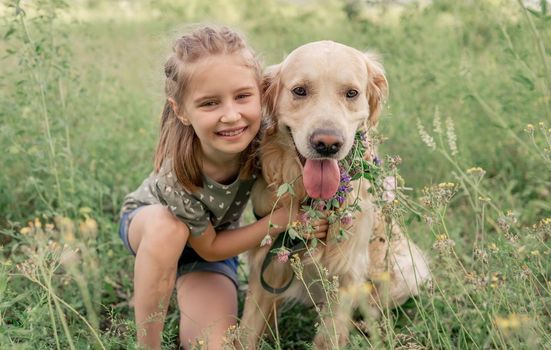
162	234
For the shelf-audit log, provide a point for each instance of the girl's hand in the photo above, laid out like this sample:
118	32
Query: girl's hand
313	228
317	229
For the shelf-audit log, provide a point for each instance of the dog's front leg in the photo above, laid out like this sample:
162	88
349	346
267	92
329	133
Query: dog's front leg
335	323
259	304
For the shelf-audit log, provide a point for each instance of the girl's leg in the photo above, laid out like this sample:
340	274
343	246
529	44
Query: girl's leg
158	238
208	307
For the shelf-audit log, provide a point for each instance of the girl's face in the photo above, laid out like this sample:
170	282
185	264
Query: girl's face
223	106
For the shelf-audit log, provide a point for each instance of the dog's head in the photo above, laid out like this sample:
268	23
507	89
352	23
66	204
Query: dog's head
319	96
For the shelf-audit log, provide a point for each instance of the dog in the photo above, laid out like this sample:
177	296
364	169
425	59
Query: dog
318	98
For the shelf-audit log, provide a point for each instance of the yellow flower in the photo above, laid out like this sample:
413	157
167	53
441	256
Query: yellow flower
511	322
88	228
68	236
476	171
382	277
64	224
529	128
25	230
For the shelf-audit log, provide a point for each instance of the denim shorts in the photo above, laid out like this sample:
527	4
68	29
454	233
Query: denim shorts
189	261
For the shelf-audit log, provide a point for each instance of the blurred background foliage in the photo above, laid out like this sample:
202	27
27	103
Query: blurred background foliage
82	90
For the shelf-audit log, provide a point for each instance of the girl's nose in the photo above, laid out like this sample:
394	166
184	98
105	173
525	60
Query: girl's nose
231	114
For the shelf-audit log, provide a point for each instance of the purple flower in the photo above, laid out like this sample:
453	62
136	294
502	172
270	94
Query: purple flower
376	160
304	218
340	199
362	135
345	178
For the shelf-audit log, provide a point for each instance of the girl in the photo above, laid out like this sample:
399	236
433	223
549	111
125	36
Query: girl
181	223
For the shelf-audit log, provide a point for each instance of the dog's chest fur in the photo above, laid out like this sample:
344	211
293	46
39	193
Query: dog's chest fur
341	261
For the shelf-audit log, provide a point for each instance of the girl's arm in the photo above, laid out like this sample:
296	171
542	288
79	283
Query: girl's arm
213	246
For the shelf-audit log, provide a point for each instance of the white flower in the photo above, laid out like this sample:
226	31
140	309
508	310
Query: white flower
389	183
389	196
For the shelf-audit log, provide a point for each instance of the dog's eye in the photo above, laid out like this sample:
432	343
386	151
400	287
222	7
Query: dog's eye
351	93
299	91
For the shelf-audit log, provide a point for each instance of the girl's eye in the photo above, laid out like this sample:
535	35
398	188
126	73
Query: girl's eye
208	104
241	96
299	91
351	93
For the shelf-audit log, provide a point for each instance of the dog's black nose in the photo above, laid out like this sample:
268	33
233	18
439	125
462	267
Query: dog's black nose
326	142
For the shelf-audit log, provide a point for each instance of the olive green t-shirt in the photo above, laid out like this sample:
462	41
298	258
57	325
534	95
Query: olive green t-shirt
219	204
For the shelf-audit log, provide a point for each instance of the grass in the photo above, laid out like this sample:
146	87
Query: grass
81	92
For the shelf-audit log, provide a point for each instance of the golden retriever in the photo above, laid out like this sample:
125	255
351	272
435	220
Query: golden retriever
318	98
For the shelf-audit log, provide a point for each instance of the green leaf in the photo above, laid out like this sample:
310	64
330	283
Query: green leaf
524	81
10	31
293	233
284	188
313	243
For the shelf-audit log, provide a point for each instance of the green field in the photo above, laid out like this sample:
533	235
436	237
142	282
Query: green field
81	92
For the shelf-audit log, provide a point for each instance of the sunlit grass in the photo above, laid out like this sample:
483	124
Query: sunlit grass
81	92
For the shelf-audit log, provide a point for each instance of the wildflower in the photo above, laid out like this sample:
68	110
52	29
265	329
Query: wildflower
497	280
389	183
425	137
452	138
388	196
529	128
319	205
393	161
64	224
443	244
436	123
266	241
429	220
296	265
480	254
88	228
438	195
525	272
283	255
493	247
511	322
69	236
476	171
25	230
304	218
347	218
381	277
69	257
471	277
484	199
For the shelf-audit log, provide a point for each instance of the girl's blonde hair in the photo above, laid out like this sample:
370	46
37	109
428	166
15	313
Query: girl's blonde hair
177	141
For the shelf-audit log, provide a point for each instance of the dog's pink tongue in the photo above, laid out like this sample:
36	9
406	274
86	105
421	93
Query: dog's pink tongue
321	178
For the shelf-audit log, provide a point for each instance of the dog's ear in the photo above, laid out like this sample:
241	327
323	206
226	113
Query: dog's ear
270	89
377	87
